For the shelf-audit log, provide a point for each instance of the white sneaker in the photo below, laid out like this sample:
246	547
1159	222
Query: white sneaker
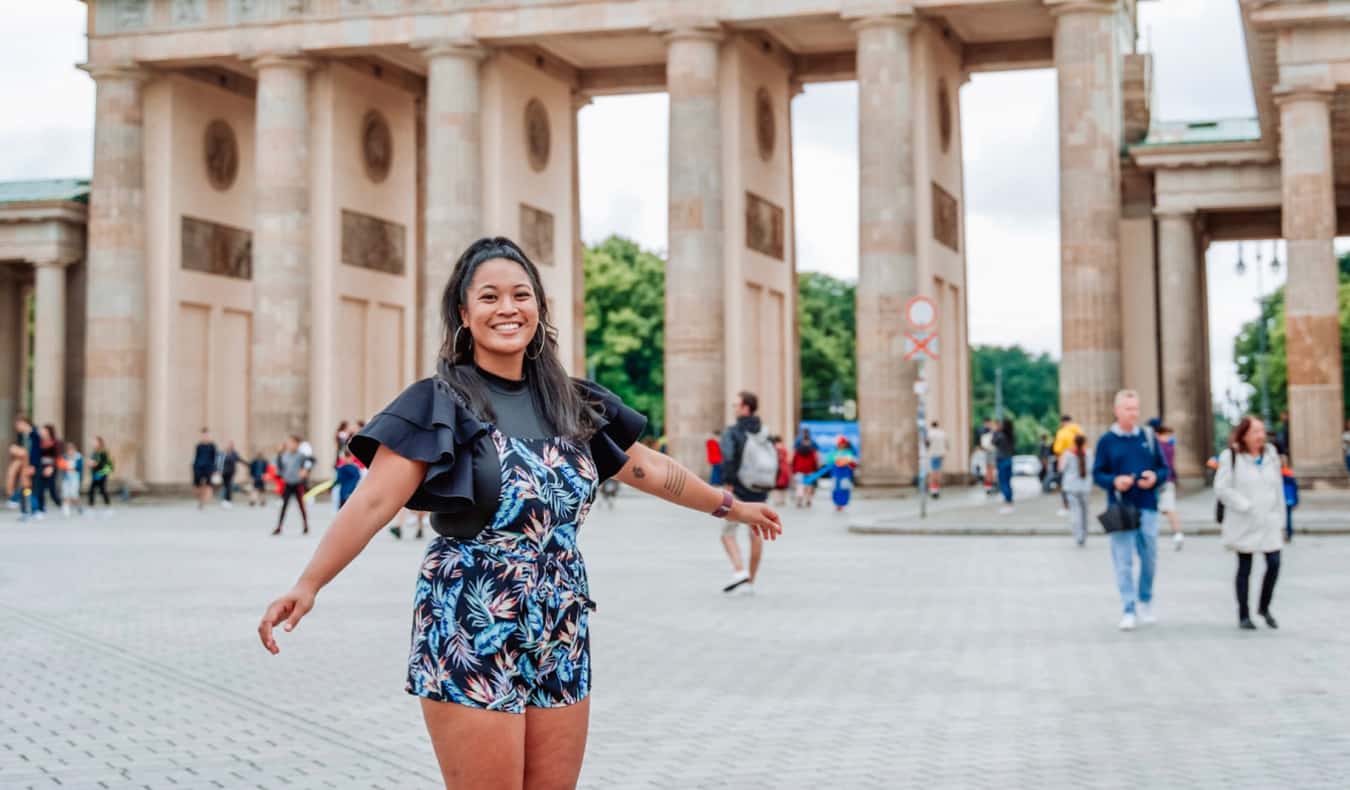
746	590
1127	622
12	505
227	505
738	579
65	511
1178	540
1146	615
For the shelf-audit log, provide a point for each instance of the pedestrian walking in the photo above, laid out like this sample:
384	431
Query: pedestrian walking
257	470
1048	473
14	471
293	467
1167	492
713	450
1345	444
203	467
990	454
1130	466
71	468
507	452
1064	437
1290	497
805	461
1004	446
30	505
749	472
340	438
229	466
348	475
937	451
49	476
842	465
784	479
1076	485
100	469
1251	488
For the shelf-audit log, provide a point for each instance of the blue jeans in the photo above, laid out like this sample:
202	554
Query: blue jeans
1123	547
1005	478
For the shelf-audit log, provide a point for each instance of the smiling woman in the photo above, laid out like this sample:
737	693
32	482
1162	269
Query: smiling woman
507	453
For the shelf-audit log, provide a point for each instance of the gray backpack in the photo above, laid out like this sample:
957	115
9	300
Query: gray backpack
759	462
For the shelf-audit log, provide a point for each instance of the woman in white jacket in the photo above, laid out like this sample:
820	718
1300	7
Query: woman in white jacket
1249	485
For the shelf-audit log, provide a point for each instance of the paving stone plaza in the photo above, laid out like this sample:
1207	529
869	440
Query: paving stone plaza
128	658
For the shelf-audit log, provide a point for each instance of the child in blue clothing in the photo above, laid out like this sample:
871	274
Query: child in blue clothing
840	465
1290	497
348	476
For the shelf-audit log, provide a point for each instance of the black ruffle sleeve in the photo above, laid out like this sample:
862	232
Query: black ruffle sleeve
427	422
620	428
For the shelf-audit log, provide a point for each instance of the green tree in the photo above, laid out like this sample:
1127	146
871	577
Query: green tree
1030	391
625	324
1247	348
827	323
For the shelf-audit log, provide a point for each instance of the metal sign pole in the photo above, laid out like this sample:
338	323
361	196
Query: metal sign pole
922	414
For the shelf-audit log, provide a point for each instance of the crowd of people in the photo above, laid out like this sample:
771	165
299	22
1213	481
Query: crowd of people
43	468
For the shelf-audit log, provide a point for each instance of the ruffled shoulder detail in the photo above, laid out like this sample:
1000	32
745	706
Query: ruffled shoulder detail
620	428
428	422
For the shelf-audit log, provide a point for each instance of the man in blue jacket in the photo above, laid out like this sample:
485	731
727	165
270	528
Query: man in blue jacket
1130	466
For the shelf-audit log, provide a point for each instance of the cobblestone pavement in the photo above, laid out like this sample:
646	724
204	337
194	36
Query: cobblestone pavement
128	658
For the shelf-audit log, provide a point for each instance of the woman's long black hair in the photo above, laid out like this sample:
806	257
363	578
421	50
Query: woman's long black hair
554	394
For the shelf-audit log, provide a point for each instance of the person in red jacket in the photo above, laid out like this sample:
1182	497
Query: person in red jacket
714	445
784	480
805	462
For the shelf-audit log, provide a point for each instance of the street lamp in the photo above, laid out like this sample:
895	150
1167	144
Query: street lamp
1262	361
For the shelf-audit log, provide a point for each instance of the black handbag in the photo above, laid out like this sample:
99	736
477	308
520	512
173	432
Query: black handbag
1120	516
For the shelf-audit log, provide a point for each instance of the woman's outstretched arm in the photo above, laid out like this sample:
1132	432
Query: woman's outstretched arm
660	475
391	480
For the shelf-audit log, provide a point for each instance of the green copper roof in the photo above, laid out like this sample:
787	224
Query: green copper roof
1224	130
76	189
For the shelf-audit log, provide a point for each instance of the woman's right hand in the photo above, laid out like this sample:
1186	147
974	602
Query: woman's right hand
288	608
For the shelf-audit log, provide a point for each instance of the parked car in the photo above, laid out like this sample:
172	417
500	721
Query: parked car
1026	466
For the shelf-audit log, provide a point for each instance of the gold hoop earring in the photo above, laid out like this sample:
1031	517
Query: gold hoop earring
540	335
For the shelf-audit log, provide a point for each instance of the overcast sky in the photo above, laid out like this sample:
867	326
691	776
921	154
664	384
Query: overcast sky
1008	124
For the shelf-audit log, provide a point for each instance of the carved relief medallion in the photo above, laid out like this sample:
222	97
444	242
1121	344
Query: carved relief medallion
944	115
537	134
221	153
377	146
765	130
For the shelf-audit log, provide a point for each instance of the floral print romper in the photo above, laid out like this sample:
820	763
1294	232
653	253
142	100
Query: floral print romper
500	621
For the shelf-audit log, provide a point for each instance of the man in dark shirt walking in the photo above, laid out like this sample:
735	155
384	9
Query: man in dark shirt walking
203	466
1129	465
746	455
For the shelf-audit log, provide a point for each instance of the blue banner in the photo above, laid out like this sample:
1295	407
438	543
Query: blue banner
825	433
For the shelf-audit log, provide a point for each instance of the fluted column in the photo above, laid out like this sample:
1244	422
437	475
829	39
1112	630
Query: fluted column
49	343
454	179
695	356
12	329
117	346
887	250
1087	61
1181	316
281	265
1312	327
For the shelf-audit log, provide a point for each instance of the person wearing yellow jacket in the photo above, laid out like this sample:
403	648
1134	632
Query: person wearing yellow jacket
1068	429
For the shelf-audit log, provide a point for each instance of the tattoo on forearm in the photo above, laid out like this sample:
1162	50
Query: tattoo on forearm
638	473
676	477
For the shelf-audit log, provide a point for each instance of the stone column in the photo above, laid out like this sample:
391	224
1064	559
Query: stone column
281	266
49	344
695	356
579	100
1185	392
12	329
116	349
887	253
1311	315
454	177
1087	59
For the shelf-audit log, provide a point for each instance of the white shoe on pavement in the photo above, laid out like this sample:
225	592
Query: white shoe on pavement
1127	622
738	579
1146	615
227	505
746	590
1178	540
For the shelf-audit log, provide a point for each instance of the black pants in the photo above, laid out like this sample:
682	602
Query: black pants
99	484
1244	570
227	486
45	486
296	490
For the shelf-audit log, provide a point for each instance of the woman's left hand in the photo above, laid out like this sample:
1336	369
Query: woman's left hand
762	519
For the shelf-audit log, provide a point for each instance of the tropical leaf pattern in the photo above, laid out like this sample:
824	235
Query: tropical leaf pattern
500	622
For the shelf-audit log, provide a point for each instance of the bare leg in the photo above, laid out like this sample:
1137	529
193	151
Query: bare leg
1174	520
733	552
555	743
756	554
476	748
